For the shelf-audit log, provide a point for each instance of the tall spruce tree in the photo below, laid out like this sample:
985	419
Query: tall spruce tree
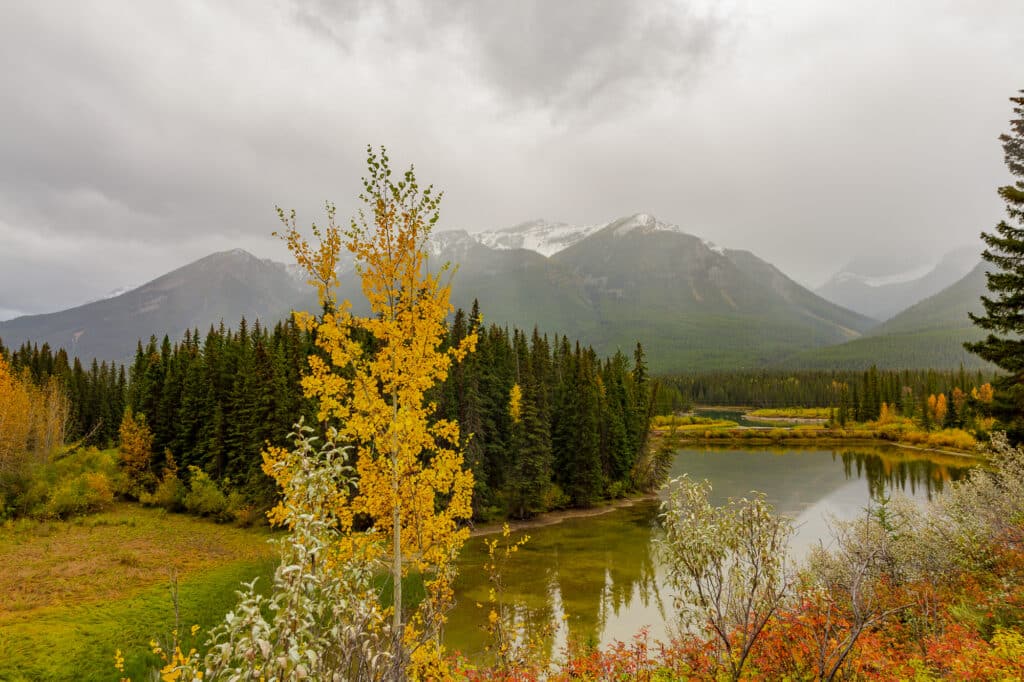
1004	309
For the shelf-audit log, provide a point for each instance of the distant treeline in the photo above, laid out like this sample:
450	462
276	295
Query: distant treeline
864	391
552	424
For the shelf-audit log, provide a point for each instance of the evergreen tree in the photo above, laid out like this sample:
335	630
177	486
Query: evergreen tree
529	450
1004	309
581	440
952	418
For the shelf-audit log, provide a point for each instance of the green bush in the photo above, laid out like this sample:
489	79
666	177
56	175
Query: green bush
31	495
204	497
555	498
169	494
617	490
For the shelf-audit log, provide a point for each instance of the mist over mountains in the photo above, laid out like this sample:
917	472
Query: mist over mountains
881	286
693	305
928	334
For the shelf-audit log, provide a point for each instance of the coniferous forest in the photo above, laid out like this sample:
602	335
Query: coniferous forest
568	435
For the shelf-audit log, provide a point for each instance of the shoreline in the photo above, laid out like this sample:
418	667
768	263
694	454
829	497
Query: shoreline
552	518
786	420
824	441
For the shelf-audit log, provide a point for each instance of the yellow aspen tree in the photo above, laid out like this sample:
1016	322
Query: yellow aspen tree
959	400
16	420
941	407
986	393
515	403
136	452
51	419
412	484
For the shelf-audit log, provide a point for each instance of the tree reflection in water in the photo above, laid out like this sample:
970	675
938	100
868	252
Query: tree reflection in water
887	471
602	573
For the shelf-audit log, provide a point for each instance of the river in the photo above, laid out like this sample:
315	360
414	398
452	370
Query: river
598	578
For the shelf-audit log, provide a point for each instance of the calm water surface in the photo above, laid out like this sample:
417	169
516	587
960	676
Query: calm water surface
603	573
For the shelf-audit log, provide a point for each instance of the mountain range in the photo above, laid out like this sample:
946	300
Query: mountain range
929	333
884	284
692	304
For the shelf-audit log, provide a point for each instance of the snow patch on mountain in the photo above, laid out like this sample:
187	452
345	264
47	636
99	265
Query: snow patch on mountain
715	247
641	223
541	236
114	293
548	238
885	280
452	243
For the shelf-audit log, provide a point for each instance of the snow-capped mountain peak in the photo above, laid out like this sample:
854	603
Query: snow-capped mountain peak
641	223
546	238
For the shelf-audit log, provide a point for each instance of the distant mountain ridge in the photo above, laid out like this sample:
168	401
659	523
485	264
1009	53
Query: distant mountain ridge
928	334
881	289
692	304
222	286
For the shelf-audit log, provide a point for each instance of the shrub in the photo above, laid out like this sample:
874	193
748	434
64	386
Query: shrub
915	437
617	489
89	492
169	494
952	438
204	497
555	498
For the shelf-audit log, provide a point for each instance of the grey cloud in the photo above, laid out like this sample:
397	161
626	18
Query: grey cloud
137	136
567	54
564	56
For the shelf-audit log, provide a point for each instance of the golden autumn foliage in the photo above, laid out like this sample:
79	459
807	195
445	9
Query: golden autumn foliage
412	484
15	419
32	421
983	394
136	451
937	407
959	400
515	403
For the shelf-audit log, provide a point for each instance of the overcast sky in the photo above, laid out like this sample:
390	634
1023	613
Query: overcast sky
137	137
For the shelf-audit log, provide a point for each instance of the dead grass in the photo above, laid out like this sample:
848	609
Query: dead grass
112	555
71	592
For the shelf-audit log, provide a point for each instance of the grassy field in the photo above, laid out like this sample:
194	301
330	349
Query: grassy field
74	591
689	422
791	413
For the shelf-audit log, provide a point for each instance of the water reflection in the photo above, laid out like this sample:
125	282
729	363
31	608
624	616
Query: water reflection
598	579
885	473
